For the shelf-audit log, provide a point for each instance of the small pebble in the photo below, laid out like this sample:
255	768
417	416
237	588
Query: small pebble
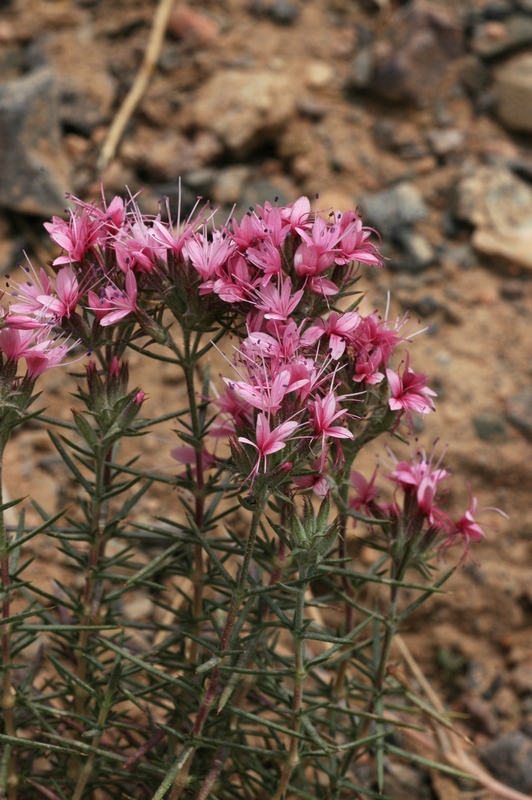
519	411
185	23
512	289
490	427
499	9
425	306
509	758
283	12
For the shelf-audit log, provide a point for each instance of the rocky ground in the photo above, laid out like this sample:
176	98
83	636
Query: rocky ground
420	114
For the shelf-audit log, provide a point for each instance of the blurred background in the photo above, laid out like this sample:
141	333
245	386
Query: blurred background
417	113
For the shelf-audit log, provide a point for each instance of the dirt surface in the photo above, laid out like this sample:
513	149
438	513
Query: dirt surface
254	99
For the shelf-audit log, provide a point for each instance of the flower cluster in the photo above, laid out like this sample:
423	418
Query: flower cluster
415	518
311	379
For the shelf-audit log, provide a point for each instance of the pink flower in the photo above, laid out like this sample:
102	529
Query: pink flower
77	236
107	220
34	296
310	260
274	229
234	284
174	239
283	346
418	478
338	327
68	291
467	529
320	285
278	302
249	232
138	248
22	322
45	355
115	304
297	215
267	397
323	412
267	258
352	241
317	481
366	491
42	298
208	256
187	455
410	391
322	236
266	441
15	343
366	368
374	333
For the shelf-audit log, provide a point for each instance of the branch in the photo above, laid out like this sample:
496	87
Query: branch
140	84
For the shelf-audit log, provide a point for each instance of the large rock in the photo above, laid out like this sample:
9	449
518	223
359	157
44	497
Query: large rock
513	90
33	169
87	91
509	758
392	210
409	63
492	39
245	108
499	205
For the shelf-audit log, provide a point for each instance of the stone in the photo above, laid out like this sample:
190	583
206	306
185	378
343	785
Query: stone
195	28
33	166
498	9
425	306
418	249
500	206
521	677
490	427
474	75
519	411
494	38
403	138
245	109
361	71
312	108
86	93
391	210
512	289
405	782
411	62
319	74
513	92
444	141
174	154
284	12
137	606
517	251
509	758
229	184
277	190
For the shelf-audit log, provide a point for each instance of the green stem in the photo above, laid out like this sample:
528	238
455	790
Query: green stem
199	500
300	674
8	700
239	698
181	779
105	707
102	479
397	573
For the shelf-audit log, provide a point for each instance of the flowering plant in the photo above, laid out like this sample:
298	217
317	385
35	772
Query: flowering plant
263	670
